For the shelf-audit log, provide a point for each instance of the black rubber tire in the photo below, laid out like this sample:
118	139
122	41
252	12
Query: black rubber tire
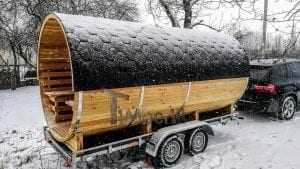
192	150
160	160
287	103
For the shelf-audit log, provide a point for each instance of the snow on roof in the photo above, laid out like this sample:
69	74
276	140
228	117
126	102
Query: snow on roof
111	53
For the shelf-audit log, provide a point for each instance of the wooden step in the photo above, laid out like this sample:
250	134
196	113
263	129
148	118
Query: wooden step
61	99
59	93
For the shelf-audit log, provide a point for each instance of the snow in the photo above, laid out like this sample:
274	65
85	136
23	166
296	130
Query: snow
257	142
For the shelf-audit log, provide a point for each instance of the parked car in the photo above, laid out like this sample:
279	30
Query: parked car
274	87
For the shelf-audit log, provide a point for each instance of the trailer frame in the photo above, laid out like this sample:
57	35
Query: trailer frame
71	158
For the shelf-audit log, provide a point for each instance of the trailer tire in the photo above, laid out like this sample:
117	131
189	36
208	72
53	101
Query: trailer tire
197	141
169	152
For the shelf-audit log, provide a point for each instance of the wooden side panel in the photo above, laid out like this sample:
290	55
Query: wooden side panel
162	99
158	101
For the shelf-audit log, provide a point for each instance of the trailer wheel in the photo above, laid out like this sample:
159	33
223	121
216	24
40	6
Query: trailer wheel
197	142
169	152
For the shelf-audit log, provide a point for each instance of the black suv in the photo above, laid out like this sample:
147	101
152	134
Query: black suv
274	87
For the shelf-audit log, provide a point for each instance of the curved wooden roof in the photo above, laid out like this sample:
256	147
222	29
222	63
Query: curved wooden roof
114	54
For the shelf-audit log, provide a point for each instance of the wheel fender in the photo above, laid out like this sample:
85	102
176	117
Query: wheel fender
208	129
152	148
177	130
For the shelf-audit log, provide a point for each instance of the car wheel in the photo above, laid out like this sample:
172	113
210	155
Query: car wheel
288	108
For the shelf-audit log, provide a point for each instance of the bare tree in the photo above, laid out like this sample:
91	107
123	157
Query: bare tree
11	32
20	21
290	48
192	13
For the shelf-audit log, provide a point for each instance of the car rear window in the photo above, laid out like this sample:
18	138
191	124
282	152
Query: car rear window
259	72
296	66
296	69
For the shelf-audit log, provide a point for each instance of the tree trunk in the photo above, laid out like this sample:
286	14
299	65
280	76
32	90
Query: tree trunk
13	79
187	14
24	56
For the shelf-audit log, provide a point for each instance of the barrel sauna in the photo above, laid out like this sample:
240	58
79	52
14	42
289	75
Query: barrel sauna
94	72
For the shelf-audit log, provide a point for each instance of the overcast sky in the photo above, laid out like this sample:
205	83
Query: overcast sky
275	6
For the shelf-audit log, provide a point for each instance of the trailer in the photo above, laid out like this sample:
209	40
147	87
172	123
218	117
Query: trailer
149	143
106	85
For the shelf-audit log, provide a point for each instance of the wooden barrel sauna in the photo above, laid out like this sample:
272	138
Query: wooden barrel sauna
98	75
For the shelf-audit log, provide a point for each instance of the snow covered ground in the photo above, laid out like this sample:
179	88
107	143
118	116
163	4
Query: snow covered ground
258	142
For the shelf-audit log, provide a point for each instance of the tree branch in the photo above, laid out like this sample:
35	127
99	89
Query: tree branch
169	13
200	23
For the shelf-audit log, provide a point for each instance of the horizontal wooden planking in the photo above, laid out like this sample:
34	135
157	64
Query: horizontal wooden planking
53	54
60	57
54	66
97	105
90	109
52	28
155	103
49	89
60	93
53	36
52	23
57	50
93	126
63	117
204	96
61	99
55	74
58	33
151	94
52	46
151	111
170	98
56	82
53	43
53	59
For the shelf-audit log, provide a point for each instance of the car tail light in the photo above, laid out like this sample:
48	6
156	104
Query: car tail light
269	88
